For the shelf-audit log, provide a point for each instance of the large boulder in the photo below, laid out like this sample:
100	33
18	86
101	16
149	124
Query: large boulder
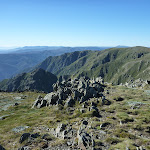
40	102
60	130
24	137
85	141
51	98
70	102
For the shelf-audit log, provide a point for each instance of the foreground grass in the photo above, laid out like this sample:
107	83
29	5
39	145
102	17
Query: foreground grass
128	126
20	115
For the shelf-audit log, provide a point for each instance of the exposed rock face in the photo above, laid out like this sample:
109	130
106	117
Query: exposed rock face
60	131
84	140
67	92
2	148
37	80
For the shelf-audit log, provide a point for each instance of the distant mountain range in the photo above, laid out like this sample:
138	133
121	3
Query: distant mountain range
60	49
19	60
31	49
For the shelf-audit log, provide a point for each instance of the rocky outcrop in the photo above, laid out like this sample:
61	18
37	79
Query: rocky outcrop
40	102
76	138
84	140
60	131
139	83
67	92
88	93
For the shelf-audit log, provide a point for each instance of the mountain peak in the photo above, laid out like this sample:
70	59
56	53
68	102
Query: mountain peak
37	80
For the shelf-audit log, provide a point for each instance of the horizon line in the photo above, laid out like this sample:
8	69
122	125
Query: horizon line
13	47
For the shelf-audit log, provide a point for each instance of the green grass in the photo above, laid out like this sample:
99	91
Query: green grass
117	136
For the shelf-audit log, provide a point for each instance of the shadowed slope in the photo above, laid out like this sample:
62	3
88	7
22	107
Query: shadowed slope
38	80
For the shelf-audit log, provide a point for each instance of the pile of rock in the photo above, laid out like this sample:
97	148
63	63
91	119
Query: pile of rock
139	83
76	138
67	92
85	141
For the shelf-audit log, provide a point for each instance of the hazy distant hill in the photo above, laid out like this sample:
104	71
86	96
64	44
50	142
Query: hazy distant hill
55	50
21	59
38	80
11	64
116	65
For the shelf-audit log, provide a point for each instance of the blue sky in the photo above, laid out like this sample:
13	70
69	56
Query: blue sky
74	22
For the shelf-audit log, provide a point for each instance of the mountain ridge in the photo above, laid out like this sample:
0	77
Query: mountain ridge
22	60
116	65
37	80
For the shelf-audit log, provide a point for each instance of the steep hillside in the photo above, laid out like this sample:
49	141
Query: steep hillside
116	65
22	59
58	63
37	80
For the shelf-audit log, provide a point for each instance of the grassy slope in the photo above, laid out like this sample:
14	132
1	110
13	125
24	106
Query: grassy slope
115	65
57	63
